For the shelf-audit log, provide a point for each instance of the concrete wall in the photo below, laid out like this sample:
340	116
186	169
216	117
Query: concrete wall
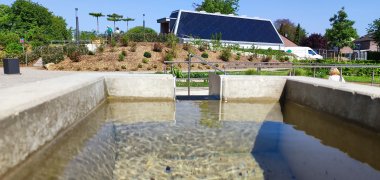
214	85
268	88
141	86
357	103
33	114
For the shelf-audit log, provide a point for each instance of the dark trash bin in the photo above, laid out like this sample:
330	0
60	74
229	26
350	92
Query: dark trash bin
11	66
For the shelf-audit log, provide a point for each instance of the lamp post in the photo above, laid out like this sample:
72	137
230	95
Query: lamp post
77	26
144	26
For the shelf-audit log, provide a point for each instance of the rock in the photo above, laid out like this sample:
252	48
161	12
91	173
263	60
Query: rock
39	63
49	66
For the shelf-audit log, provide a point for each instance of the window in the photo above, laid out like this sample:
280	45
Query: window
312	52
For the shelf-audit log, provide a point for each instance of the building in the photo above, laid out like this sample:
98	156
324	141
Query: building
366	43
287	42
241	30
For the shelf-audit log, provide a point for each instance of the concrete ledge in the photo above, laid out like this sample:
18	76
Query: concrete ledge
358	103
141	86
252	87
34	113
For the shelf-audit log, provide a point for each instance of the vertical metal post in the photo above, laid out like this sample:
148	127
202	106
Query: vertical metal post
341	74
188	75
77	26
171	69
373	77
314	73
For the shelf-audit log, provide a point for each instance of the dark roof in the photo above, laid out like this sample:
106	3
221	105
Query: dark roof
233	28
367	37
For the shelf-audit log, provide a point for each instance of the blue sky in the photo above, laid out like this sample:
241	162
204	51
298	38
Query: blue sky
312	15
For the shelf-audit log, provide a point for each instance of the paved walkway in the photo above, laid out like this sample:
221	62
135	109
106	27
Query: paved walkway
28	75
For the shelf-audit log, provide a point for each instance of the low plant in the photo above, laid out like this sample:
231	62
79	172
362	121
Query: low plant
147	54
133	47
113	43
171	41
155	66
123	67
238	56
169	56
124	41
145	60
96	69
204	55
148	68
186	46
251	72
121	57
157	47
105	68
124	53
140	65
117	69
101	48
225	54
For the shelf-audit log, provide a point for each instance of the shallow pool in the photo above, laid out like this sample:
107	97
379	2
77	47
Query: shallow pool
207	140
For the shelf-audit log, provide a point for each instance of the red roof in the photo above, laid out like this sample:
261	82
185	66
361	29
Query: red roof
287	42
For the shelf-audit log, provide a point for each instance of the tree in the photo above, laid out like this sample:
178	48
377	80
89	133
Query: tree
374	29
114	17
315	41
96	15
127	20
33	22
289	30
222	6
342	33
5	17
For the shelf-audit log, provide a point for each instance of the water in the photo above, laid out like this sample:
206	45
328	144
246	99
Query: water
207	140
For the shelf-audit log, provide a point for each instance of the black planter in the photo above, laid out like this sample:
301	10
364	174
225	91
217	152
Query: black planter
11	66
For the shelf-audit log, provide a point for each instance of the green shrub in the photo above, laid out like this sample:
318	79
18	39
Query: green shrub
157	47
145	60
204	55
124	53
113	43
169	56
177	72
251	72
147	54
123	67
300	72
140	65
139	34
225	54
13	50
238	56
202	47
74	51
124	40
121	57
7	38
48	54
101	49
172	41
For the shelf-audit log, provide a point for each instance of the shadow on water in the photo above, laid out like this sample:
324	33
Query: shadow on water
316	146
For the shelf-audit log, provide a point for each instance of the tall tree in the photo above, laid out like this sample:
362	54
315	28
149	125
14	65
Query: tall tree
374	29
222	6
114	17
5	17
342	33
315	41
127	20
96	15
288	29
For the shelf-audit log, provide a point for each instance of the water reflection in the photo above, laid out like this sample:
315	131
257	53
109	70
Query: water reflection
207	140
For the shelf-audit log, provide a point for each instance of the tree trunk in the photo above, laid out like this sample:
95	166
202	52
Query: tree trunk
97	25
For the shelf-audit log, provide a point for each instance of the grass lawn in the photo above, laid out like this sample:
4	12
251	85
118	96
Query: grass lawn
192	84
361	79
